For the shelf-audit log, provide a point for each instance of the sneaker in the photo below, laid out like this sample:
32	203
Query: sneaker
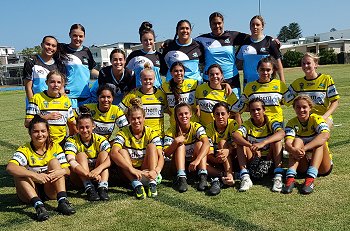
215	187
203	183
92	194
152	190
103	193
308	186
65	207
140	192
181	184
41	213
288	185
246	183
277	184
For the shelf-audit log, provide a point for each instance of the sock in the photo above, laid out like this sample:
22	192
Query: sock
181	173
135	183
202	171
103	184
278	172
291	173
153	182
312	172
61	196
36	201
243	172
87	184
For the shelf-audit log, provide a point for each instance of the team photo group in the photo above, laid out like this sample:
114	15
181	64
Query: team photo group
183	111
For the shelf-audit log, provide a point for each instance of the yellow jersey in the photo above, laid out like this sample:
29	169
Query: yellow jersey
154	105
41	104
136	147
195	133
274	94
215	137
254	134
206	98
97	144
187	90
25	156
106	121
321	90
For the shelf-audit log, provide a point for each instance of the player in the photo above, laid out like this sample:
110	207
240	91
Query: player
39	169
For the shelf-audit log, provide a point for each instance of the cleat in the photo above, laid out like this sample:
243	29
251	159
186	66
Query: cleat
277	184
308	186
140	192
103	193
41	213
288	185
92	194
246	183
65	207
181	184
152	190
215	187
203	183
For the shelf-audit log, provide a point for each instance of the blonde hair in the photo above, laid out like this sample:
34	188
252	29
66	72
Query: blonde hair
147	68
136	105
313	56
56	72
303	97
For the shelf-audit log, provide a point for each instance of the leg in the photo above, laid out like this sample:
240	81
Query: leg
102	188
202	167
244	155
180	161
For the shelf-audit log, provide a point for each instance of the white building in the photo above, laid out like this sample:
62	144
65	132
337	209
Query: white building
5	51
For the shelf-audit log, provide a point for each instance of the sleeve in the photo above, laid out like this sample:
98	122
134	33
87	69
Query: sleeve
119	139
61	156
210	135
332	92
19	158
70	148
71	116
238	37
232	99
274	49
121	120
92	63
125	103
155	139
287	97
28	69
239	54
321	125
242	130
290	131
168	138
104	145
200	132
32	108
275	126
101	77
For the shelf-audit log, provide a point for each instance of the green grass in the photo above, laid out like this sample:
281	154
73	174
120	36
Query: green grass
258	209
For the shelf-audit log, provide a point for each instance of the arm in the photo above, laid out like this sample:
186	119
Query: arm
104	165
296	153
334	104
239	140
280	70
20	171
278	136
94	73
178	141
160	163
76	167
318	141
203	151
28	86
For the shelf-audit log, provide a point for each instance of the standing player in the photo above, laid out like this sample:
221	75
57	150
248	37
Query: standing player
255	47
137	59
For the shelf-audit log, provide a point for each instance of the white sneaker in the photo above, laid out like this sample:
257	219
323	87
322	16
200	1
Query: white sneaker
246	183
277	184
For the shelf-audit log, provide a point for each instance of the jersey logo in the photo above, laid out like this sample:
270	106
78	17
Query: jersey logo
157	62
322	85
33	159
275	87
227	40
254	88
65	105
296	128
46	104
195	55
113	117
263	49
189	86
41	72
310	84
160	99
205	93
301	85
85	61
93	112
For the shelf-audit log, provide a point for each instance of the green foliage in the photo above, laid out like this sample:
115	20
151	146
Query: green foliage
28	52
292	59
291	31
327	56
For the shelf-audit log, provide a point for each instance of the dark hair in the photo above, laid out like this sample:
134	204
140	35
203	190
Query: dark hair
260	18
146	27
84	113
117	50
215	65
177	107
269	59
36	120
172	85
77	26
257	100
105	87
221	104
60	56
179	24
214	15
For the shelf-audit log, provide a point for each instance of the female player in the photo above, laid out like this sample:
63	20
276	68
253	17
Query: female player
137	150
87	154
184	49
219	47
117	76
187	142
306	142
153	100
258	46
320	88
137	59
104	113
39	169
222	150
54	107
79	67
36	68
259	137
210	93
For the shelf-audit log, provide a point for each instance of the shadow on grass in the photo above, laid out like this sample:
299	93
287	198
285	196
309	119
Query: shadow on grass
339	143
207	213
8	145
6	180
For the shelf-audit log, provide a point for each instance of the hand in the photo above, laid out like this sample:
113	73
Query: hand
95	174
193	165
257	146
137	173
53	116
228	180
153	174
222	155
297	153
56	174
41	178
228	89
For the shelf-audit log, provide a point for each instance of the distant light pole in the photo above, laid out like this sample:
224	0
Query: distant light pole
259	8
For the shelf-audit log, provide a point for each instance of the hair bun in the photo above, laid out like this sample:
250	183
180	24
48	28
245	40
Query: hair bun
136	102
145	25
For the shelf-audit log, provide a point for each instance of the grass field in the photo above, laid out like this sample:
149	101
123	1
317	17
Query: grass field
258	209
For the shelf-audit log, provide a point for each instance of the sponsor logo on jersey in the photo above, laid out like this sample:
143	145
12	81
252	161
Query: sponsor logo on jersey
301	85
160	99
227	40
85	60
322	85
40	72
189	86
254	88
310	84
157	62
263	49
205	93
275	87
195	55
46	104
32	159
113	117
290	132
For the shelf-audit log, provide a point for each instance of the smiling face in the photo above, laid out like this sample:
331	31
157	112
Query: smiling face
302	109
54	83
256	27
221	116
147	80
118	62
39	134
184	32
217	26
177	73
215	76
265	71
309	66
49	47
137	121
147	41
85	127
257	112
77	37
184	115
105	100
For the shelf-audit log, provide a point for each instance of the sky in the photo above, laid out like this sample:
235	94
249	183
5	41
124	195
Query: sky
25	23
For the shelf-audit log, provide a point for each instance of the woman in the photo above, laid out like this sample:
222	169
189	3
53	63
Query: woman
54	107
184	49
222	150
258	137
219	47
320	88
104	114
187	142
258	46
137	59
87	154
208	94
180	90
153	100
39	169
306	142
36	68
79	67
137	150
117	76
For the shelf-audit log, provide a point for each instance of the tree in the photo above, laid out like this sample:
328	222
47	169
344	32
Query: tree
291	31
292	59
283	36
327	56
28	52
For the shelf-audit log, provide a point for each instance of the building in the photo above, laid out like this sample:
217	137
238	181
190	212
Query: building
5	53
